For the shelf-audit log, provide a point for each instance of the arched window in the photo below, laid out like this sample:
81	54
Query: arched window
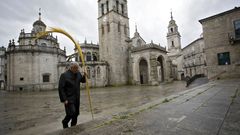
171	30
122	9
108	27
102	7
125	29
88	72
94	57
89	57
172	43
107	6
93	72
102	29
98	71
117	5
119	27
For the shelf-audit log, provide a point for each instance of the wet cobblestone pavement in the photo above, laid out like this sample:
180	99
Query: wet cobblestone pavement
41	112
209	109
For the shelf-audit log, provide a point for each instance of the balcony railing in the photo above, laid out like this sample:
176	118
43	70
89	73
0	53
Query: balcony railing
35	48
233	38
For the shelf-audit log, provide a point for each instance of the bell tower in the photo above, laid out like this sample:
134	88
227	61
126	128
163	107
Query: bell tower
173	37
113	29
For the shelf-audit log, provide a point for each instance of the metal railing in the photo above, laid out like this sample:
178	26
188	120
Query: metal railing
189	80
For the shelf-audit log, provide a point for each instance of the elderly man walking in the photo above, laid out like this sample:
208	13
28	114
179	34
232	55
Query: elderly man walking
69	93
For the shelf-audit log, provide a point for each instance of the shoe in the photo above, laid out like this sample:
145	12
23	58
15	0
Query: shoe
65	125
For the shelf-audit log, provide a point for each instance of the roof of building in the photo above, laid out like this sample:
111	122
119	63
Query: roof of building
220	14
149	46
2	48
39	22
88	45
201	38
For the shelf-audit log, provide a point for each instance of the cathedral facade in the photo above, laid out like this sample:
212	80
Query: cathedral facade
124	60
117	59
32	64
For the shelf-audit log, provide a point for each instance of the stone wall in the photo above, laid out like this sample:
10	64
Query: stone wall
194	59
113	47
26	67
150	56
2	67
97	73
217	31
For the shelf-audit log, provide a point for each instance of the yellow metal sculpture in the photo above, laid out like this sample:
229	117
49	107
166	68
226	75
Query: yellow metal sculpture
61	31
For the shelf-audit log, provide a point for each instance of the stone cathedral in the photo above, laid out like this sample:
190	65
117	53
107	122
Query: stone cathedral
117	60
120	59
34	65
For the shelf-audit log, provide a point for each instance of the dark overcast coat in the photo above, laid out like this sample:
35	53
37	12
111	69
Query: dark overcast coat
69	86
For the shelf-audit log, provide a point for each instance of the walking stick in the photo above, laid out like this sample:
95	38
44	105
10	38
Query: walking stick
61	31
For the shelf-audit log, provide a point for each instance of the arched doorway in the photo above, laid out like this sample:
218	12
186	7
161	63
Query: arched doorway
160	69
143	71
182	76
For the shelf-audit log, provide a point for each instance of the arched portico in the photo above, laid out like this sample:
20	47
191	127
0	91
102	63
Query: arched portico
143	71
160	67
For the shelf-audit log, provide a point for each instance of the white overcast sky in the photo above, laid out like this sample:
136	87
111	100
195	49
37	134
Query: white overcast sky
79	18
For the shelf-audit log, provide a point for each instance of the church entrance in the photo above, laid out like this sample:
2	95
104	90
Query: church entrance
160	68
143	71
182	76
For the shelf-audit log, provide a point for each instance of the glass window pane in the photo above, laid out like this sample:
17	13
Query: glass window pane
89	57
237	28
224	58
46	78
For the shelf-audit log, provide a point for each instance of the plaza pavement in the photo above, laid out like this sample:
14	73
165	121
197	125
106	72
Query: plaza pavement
209	109
38	113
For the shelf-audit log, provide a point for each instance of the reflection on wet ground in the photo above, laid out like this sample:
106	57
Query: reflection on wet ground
42	112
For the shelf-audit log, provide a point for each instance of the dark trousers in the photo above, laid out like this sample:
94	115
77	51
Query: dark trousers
72	112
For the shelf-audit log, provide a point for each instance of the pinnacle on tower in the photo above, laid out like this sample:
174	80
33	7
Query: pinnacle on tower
136	34
136	28
39	13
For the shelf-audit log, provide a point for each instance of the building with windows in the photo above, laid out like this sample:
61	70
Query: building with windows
2	67
34	64
117	60
221	35
194	59
96	69
174	50
90	51
120	59
148	62
123	60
